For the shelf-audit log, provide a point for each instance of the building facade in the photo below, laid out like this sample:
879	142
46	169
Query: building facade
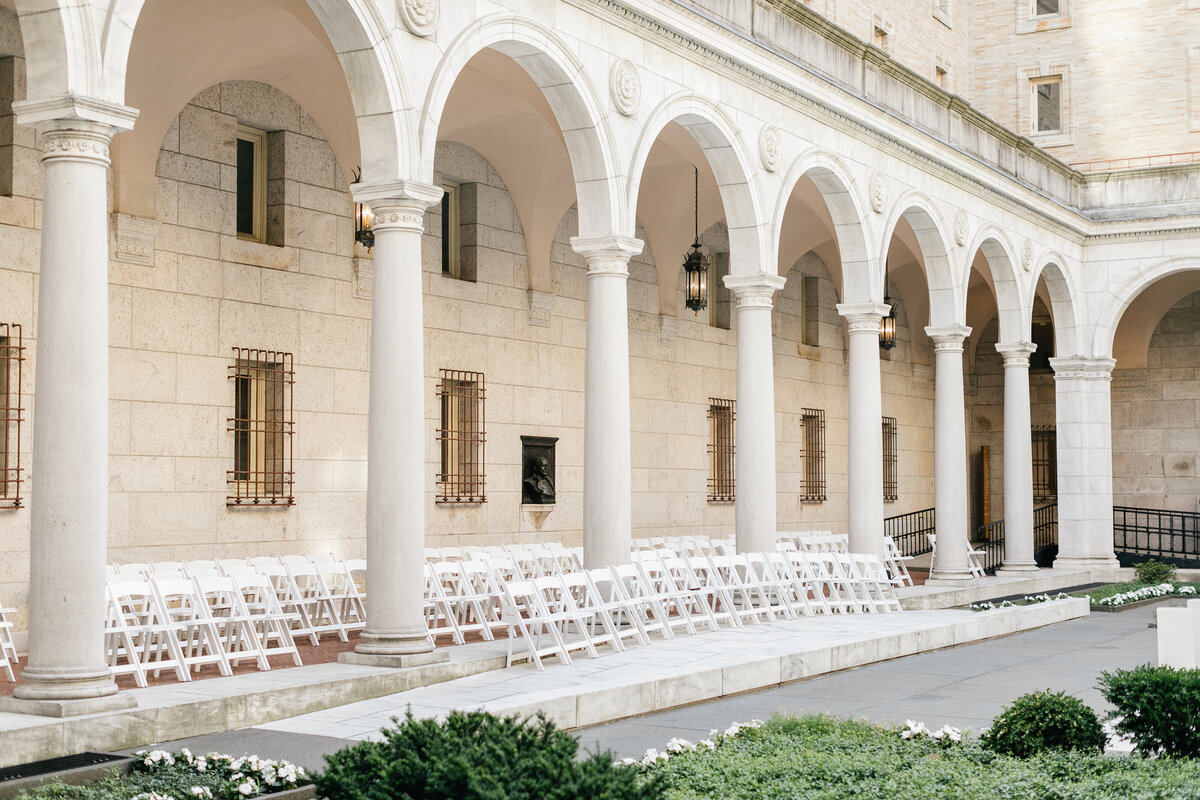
203	357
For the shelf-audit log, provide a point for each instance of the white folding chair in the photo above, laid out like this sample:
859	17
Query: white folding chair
261	562
580	596
272	626
973	556
199	636
226	607
795	588
650	605
356	572
8	650
440	617
525	617
869	570
139	634
896	563
319	606
619	613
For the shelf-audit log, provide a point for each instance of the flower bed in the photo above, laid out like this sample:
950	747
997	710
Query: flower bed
160	775
826	758
1027	600
1143	593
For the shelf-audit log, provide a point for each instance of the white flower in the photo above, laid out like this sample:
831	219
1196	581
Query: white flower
236	764
268	774
626	762
202	792
678	745
201	764
953	734
709	743
733	729
246	787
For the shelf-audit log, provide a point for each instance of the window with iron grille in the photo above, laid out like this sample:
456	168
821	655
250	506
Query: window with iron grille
812	487
891	479
1045	462
720	450
462	438
263	428
12	358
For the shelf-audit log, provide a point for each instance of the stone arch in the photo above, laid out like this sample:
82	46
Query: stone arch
63	54
1131	290
726	155
946	301
1002	274
1062	293
563	81
835	184
360	48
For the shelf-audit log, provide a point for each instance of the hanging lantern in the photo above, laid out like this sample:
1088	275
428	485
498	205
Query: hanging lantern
363	220
695	264
887	327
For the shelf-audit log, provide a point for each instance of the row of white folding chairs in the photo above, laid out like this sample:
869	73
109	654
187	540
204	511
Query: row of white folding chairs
690	545
662	592
553	558
974	557
181	624
816	541
840	582
8	650
323	594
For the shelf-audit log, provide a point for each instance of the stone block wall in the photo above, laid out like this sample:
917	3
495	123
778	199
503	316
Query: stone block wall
1156	417
1129	73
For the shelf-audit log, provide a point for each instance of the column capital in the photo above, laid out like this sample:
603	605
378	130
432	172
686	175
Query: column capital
75	128
397	205
754	291
947	338
1083	368
863	317
607	255
1016	354
74	112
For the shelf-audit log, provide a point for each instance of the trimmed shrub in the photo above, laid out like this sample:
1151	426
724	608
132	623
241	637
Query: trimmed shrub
1157	707
477	756
1154	572
1042	721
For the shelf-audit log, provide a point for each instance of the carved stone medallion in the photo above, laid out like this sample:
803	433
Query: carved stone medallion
770	148
878	193
962	227
420	16
1027	255
625	86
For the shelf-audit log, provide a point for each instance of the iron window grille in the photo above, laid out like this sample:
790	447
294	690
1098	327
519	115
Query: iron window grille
1045	462
12	359
263	427
463	437
721	414
812	487
891	478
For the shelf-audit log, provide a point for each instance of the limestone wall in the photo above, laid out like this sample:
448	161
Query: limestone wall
1129	73
1156	417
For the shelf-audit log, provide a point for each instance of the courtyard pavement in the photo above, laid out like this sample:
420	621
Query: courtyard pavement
963	686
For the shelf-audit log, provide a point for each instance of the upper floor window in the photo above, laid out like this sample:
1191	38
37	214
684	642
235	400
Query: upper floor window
251	184
720	450
1048	105
12	357
263	428
1042	15
461	436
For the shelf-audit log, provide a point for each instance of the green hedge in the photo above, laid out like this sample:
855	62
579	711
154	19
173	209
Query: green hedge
820	758
477	756
1047	720
1157	707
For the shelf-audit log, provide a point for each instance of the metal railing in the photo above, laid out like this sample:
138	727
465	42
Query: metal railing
909	531
990	539
1171	536
1137	162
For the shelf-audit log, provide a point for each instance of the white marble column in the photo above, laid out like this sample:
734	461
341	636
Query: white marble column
607	486
1018	460
950	456
865	460
395	633
1083	422
66	673
754	431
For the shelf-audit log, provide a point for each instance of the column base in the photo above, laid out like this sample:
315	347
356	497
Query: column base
951	578
67	708
1086	562
1017	569
395	661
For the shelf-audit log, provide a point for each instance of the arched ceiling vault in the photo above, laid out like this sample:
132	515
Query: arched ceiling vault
1131	344
181	47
